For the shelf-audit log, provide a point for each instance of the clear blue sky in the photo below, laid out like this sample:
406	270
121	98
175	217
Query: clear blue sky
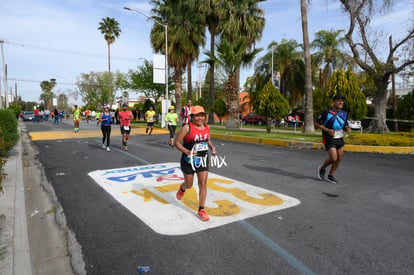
59	39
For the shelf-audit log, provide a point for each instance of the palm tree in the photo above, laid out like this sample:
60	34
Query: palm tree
327	43
47	96
309	126
209	8
181	49
196	38
243	18
109	27
288	61
231	56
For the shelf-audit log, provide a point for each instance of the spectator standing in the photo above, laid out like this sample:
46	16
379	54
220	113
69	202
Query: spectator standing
47	114
56	116
186	112
36	114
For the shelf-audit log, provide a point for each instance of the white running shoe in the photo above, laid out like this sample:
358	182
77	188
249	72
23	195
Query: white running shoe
103	146
107	149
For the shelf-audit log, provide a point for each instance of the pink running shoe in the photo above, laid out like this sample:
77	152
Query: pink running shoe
203	215
180	193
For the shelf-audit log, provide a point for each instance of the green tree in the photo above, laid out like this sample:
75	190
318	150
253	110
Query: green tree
46	95
141	81
405	109
243	18
94	90
111	30
288	61
342	83
253	86
327	45
219	108
15	108
210	9
361	14
231	56
270	103
181	49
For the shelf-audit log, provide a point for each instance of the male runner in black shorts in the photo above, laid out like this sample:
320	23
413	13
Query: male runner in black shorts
333	122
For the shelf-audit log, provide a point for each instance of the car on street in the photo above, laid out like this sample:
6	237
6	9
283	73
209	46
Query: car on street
28	116
253	118
354	124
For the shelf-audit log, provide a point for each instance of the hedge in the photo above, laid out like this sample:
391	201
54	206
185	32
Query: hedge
8	138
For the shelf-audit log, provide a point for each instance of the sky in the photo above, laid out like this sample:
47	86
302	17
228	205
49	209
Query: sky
59	39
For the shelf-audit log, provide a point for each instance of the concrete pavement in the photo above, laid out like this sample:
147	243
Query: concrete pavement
34	238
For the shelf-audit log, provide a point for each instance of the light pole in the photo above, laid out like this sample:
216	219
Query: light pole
165	102
166	46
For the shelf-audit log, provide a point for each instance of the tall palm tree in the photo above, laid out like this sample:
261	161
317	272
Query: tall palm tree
196	36
111	30
209	8
288	61
181	49
328	44
231	56
309	127
243	18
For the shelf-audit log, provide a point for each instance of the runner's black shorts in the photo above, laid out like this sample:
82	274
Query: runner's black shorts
199	167
337	143
150	124
123	131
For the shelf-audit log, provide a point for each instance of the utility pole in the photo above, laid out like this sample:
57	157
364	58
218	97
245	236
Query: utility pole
5	74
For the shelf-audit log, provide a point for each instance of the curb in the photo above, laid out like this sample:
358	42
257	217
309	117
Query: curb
314	145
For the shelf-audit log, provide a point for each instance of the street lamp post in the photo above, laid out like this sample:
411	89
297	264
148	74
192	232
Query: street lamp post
166	105
166	46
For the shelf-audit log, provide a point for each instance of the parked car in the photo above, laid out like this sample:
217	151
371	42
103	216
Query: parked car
28	116
253	118
354	124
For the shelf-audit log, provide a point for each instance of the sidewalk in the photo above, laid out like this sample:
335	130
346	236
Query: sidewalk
14	239
34	238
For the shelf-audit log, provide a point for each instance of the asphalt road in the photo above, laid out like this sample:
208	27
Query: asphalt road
364	225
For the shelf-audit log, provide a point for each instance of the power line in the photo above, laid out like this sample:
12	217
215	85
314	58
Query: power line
66	51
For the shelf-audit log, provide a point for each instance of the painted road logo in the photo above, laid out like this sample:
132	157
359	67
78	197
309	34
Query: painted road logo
149	192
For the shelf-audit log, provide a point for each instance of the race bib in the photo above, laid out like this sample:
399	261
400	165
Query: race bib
126	128
201	149
339	134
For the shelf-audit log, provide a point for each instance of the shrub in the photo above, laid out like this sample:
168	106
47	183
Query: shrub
389	139
8	131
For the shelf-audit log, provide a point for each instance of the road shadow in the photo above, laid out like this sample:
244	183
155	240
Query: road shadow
273	170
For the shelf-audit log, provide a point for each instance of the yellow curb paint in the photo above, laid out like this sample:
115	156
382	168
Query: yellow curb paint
87	134
317	146
379	149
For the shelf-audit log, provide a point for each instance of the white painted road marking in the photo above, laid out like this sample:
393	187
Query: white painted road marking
149	192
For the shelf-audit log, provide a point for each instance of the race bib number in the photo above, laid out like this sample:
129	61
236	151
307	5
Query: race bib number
126	128
339	134
150	119
200	148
